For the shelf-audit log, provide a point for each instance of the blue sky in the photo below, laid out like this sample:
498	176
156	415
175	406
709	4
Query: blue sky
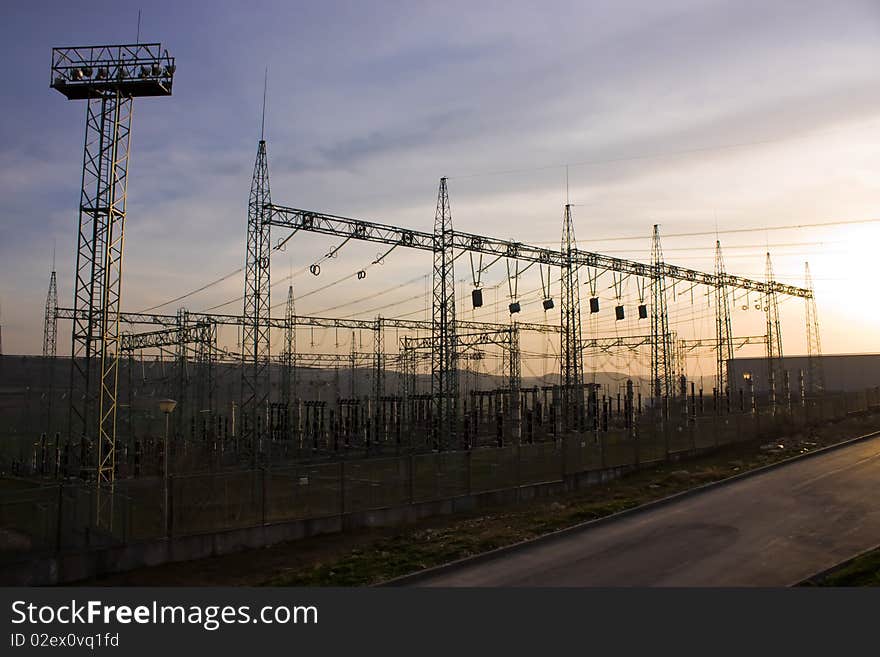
371	102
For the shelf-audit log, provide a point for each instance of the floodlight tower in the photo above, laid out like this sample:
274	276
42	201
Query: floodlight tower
108	78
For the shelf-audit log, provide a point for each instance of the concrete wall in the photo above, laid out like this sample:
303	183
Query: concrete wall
843	372
84	564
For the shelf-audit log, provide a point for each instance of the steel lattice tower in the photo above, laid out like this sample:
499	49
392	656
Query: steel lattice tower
255	331
662	364
288	358
444	357
50	346
50	319
352	358
723	331
816	373
108	78
774	334
571	357
378	363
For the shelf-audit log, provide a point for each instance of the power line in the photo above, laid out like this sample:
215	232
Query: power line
730	231
196	291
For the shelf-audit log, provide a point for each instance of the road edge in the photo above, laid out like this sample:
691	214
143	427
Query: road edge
816	579
414	578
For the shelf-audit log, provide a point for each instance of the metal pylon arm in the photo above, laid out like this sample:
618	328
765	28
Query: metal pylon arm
304	320
371	231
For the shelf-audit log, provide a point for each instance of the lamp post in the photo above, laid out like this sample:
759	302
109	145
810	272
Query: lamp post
166	406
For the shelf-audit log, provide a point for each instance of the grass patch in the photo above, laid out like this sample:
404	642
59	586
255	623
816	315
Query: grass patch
864	570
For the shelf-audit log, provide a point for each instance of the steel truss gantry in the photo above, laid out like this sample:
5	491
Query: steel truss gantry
197	339
108	78
158	319
371	231
446	240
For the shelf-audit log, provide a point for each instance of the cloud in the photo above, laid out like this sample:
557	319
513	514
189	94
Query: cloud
369	104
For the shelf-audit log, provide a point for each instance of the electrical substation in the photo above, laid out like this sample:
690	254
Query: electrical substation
396	410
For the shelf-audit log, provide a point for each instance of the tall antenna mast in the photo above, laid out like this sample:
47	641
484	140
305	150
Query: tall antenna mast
263	118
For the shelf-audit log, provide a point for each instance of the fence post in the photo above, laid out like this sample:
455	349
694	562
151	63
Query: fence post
518	473
342	487
60	516
170	515
562	456
412	476
263	484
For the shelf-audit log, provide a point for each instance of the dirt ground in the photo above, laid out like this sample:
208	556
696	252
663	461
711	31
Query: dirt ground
368	556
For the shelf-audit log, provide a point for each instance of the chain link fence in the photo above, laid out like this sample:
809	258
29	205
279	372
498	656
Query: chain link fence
50	518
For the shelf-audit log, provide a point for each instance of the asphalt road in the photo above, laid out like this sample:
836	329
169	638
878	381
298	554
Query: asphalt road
773	529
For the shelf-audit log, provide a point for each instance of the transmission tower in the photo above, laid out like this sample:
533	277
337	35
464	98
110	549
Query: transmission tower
50	319
723	332
255	331
50	345
353	366
774	334
444	361
816	370
108	78
378	363
572	360
662	365
288	358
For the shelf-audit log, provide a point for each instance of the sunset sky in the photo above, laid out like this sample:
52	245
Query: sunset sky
698	116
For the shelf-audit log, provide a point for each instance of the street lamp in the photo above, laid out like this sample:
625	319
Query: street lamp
167	406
